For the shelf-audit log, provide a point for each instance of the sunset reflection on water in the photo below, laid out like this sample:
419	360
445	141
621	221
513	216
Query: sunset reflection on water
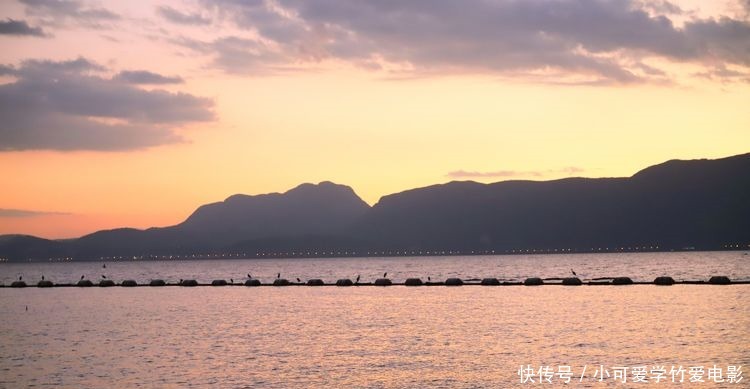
361	337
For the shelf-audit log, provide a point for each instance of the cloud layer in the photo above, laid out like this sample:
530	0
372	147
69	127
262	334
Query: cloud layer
595	40
18	213
60	12
146	77
69	105
19	27
176	16
463	174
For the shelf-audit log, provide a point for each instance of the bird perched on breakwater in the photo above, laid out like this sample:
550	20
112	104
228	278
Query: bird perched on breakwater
231	280
104	277
385	274
298	280
249	276
20	278
574	273
429	279
82	276
278	275
357	279
42	277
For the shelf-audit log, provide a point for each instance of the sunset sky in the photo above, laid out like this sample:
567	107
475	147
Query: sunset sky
135	113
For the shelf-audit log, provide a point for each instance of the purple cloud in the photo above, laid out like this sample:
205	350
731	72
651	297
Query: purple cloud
463	174
70	105
596	42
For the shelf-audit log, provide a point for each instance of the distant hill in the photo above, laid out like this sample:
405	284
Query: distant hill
323	209
21	247
703	204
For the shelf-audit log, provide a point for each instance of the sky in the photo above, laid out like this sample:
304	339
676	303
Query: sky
132	114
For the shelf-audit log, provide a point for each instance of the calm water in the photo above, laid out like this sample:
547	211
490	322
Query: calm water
371	337
639	267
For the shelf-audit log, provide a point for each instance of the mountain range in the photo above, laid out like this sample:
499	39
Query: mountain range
697	204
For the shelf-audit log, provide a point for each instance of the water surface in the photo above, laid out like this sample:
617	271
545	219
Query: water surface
393	337
638	266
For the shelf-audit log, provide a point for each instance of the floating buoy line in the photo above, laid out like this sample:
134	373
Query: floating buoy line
382	282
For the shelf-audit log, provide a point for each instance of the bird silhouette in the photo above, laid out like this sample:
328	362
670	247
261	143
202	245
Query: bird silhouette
385	274
298	280
429	279
249	276
104	266
231	280
42	277
574	273
278	275
82	277
104	277
20	278
357	278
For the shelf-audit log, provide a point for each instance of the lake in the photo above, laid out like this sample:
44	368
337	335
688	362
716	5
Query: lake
393	337
638	266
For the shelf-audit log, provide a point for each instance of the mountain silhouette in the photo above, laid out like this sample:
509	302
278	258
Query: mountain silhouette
322	209
701	204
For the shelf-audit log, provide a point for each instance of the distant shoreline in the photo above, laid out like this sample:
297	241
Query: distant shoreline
372	254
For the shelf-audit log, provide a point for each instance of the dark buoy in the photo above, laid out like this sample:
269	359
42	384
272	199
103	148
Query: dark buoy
219	283
533	281
344	282
252	282
45	284
490	281
189	283
453	281
85	283
157	283
665	280
383	282
572	281
315	282
280	282
413	282
719	280
622	281
106	283
18	284
129	283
